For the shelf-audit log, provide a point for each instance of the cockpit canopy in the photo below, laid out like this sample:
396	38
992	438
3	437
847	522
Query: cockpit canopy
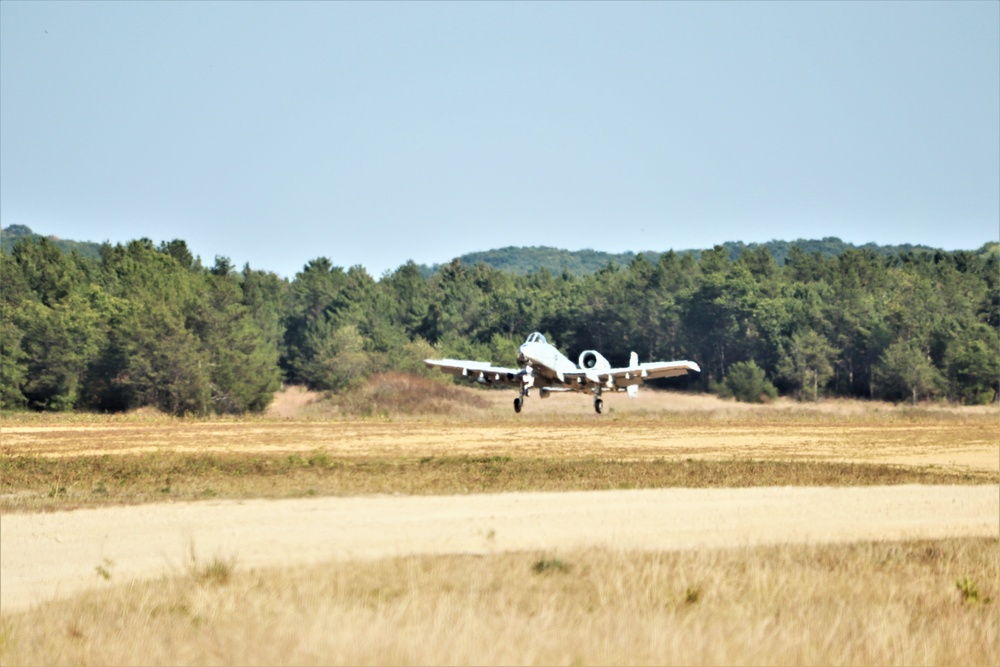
536	338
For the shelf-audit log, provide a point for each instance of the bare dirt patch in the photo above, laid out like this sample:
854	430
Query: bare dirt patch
56	554
291	401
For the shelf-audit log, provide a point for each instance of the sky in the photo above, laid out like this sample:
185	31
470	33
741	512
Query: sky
376	133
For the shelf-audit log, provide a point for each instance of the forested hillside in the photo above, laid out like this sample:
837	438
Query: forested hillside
525	260
148	325
9	236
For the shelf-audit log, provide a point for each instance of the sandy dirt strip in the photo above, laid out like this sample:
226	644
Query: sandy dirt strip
44	556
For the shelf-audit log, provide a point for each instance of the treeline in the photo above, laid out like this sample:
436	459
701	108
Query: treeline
148	325
10	236
525	260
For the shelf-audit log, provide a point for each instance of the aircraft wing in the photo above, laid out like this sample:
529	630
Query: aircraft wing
480	371
635	374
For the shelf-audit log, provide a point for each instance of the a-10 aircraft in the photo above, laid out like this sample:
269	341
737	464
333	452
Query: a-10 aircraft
547	369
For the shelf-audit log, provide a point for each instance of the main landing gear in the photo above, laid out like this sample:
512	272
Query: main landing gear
519	401
598	403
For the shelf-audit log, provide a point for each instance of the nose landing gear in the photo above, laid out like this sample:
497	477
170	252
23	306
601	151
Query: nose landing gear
527	382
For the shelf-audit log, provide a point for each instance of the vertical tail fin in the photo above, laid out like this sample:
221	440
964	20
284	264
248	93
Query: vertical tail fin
633	389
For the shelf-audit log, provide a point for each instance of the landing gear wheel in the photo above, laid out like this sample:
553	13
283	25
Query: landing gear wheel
517	405
598	405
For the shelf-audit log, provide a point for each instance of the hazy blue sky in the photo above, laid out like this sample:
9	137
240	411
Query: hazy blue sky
373	133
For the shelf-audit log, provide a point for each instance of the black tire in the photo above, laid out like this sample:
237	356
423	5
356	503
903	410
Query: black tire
517	405
598	405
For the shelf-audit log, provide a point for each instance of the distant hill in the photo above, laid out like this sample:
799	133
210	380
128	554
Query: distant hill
526	260
14	233
830	246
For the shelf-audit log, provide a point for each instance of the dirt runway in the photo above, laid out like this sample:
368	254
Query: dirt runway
44	556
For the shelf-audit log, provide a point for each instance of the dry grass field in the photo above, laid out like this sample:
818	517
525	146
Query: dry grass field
913	603
807	601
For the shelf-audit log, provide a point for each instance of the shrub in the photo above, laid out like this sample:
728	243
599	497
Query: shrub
747	382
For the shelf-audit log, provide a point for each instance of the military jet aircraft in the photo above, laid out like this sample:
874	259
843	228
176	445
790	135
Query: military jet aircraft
547	369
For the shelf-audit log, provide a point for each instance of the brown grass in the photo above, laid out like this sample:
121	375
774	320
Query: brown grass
914	603
399	395
33	483
86	460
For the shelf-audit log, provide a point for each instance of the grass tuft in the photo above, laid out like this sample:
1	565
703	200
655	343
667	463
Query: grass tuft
218	571
970	592
104	569
550	565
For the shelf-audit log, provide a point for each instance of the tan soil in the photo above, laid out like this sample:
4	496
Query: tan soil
290	402
54	555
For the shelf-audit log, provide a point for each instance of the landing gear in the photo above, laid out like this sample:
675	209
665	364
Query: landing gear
598	403
527	382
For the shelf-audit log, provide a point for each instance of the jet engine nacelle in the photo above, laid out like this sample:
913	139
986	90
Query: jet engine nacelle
592	360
